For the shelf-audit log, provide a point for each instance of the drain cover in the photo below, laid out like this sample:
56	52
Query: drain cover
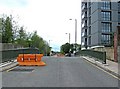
22	70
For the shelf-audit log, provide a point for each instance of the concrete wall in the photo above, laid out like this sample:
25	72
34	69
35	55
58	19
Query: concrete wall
109	52
9	46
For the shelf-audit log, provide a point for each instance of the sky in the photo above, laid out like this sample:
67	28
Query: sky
50	18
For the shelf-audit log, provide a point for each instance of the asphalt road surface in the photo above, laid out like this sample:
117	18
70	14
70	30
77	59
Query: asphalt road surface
59	72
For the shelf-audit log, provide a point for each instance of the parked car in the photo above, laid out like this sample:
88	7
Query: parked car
68	54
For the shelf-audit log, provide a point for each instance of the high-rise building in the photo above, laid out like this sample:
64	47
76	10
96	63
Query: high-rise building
99	21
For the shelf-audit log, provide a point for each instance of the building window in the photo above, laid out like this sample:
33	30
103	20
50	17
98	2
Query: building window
90	11
106	39
106	4
119	17
90	30
119	6
83	6
106	27
89	2
85	32
89	20
85	41
89	40
106	16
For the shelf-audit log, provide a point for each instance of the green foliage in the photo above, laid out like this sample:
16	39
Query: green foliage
7	31
66	48
10	32
37	41
1	26
22	37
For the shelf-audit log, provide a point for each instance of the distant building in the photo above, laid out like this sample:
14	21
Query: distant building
99	22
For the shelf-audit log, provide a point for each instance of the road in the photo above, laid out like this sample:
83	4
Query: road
59	72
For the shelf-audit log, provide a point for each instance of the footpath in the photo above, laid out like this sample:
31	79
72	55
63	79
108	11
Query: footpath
110	66
8	65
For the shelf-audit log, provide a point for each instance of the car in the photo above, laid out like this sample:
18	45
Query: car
68	54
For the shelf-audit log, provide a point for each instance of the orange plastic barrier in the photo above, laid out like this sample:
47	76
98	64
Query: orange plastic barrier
30	60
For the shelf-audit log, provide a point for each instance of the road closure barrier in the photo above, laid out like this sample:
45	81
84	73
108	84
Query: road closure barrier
30	60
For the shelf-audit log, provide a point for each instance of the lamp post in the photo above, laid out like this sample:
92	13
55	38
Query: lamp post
50	47
69	37
75	33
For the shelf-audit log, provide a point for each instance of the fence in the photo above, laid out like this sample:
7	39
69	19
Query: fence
97	54
7	55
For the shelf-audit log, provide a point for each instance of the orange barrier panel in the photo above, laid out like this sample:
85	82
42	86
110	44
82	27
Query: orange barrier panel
30	59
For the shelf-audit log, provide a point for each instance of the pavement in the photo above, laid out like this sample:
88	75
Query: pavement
110	66
8	65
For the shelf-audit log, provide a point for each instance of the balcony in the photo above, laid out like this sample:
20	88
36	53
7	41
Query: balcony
84	35
84	9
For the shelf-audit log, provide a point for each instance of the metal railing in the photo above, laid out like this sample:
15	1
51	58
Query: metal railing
101	56
8	55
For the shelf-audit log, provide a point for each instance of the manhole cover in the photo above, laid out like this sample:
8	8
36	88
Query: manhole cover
22	70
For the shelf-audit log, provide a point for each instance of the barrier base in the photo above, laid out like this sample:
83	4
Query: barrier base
41	63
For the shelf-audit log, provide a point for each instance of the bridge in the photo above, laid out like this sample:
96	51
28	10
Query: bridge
59	72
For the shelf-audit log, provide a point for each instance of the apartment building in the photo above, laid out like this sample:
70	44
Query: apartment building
99	22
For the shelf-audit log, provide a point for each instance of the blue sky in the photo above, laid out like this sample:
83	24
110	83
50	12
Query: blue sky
13	3
49	17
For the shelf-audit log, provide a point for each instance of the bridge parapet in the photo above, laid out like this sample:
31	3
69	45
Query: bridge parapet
8	55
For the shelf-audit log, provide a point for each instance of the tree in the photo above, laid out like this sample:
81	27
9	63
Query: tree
35	40
38	42
1	27
78	47
7	31
65	48
22	37
11	32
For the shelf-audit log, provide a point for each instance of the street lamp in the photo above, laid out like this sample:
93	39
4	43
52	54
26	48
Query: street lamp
50	47
75	33
69	37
